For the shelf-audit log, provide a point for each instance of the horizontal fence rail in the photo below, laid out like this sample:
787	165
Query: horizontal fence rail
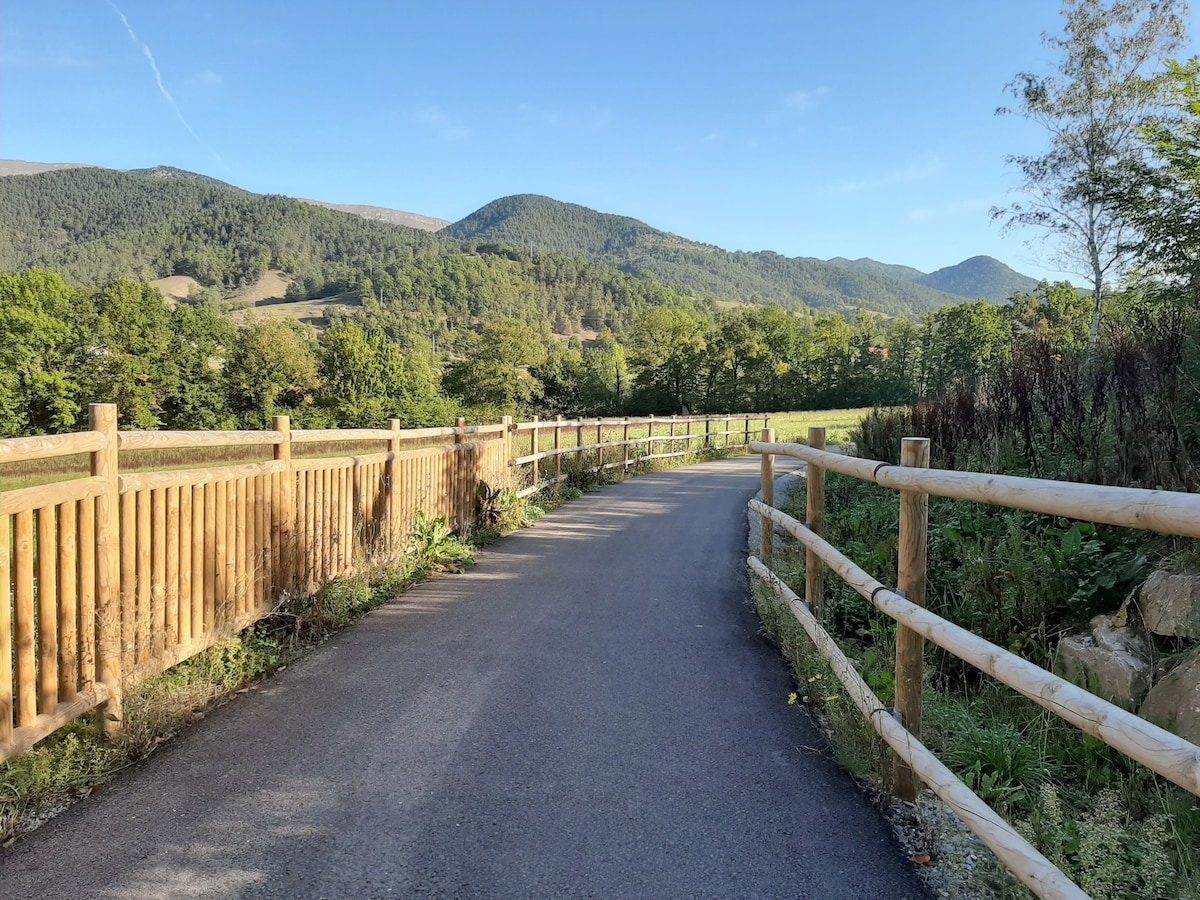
1164	511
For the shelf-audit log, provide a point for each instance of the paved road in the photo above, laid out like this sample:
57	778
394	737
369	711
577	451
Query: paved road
588	713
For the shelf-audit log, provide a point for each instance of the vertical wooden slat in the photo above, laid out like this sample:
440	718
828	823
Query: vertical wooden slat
269	542
910	646
303	551
558	446
171	570
200	583
6	647
229	609
221	556
47	606
127	609
284	507
317	502
158	575
184	554
395	509
624	446
242	550
766	546
814	569
109	652
211	566
87	594
23	619
258	495
68	602
144	578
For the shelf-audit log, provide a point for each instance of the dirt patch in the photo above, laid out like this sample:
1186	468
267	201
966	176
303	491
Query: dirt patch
271	286
176	287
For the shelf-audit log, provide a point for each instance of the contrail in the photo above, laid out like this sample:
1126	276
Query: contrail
162	88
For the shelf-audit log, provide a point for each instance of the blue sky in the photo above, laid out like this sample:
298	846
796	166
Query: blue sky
808	127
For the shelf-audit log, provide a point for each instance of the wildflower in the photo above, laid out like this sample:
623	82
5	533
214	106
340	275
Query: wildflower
792	699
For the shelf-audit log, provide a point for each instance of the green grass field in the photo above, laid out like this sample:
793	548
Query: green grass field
792	427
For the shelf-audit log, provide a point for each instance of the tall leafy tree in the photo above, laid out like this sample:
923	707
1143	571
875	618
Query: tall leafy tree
1106	88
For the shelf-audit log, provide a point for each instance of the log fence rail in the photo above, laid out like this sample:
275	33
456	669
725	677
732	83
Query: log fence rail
1164	511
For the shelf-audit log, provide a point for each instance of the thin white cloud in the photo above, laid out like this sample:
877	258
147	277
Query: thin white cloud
804	99
209	78
162	88
909	174
441	123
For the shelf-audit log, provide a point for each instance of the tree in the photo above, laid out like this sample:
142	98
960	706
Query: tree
1093	109
1162	197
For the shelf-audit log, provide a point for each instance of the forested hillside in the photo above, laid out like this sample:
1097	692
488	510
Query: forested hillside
635	247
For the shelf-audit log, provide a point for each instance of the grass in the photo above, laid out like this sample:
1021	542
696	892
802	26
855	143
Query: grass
792	427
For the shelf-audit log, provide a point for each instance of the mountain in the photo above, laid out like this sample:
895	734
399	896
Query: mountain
980	277
383	214
374	213
93	224
887	270
530	220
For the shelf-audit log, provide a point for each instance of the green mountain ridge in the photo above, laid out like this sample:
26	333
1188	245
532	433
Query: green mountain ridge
94	224
531	220
980	277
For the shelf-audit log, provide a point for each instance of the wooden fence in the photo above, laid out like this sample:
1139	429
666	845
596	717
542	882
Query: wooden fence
1163	511
111	578
619	443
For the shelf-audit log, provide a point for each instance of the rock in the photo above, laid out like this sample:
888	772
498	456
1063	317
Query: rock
1112	662
1174	703
1171	604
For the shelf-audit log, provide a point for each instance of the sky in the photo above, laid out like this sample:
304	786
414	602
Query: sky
810	127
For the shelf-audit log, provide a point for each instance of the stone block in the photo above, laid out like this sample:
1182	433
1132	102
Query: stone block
1112	662
1170	605
1174	703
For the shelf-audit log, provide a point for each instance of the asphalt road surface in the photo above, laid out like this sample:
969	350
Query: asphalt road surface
590	712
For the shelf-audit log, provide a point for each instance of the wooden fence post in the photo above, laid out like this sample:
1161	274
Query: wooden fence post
579	460
105	464
746	437
910	646
286	506
625	446
507	422
767	542
394	507
650	436
462	497
535	475
558	446
814	569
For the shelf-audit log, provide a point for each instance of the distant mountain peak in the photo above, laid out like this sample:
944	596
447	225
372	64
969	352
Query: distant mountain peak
980	278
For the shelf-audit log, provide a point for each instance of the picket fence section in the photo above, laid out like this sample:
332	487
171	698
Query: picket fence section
1164	511
110	579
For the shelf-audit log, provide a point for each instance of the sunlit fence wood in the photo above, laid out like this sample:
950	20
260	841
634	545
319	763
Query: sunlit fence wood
112	578
619	444
1167	512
